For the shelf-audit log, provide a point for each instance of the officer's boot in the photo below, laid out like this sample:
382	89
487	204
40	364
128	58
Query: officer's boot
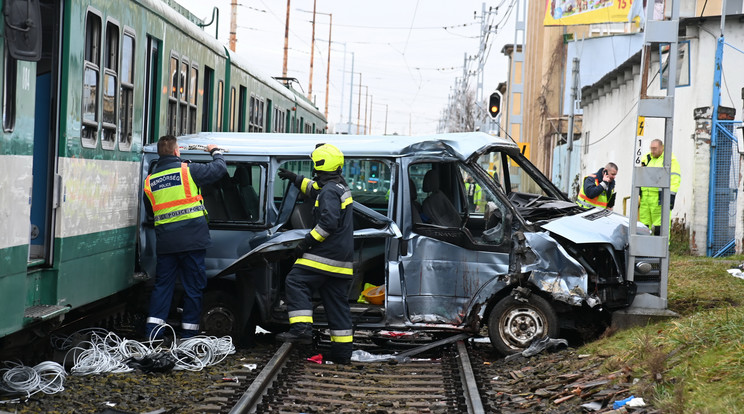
340	352
300	333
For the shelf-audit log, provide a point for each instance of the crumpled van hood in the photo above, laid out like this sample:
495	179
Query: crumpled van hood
593	226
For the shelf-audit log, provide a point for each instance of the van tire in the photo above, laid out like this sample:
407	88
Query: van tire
513	324
221	316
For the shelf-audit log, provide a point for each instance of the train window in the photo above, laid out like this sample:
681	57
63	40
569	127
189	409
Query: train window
9	92
183	94
220	104
91	70
194	80
241	108
260	120
126	91
173	97
109	87
251	114
232	109
207	104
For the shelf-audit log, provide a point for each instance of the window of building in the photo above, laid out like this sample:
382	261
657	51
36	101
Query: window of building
91	71
127	91
9	91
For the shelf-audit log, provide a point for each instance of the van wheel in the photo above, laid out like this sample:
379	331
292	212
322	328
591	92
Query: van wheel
514	324
220	316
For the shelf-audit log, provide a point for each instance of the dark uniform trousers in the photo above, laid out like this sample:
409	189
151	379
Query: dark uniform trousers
334	292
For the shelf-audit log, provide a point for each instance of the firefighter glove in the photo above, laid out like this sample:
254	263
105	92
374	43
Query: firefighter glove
300	249
287	175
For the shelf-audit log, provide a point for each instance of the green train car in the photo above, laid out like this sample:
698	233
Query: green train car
85	85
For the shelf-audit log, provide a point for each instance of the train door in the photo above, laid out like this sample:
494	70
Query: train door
45	182
152	89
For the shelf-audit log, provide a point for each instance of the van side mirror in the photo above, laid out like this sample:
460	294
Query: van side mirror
23	29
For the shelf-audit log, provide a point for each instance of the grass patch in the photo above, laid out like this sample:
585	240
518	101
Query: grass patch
694	363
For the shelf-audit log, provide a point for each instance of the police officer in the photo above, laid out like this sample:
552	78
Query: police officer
598	189
324	257
174	198
650	203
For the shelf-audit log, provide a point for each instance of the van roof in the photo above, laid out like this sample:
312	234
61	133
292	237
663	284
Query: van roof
461	145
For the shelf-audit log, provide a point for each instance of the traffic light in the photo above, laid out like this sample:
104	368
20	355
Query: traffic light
494	104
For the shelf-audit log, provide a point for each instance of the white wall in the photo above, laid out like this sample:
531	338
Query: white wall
610	120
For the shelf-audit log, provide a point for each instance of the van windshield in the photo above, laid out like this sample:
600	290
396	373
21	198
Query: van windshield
529	191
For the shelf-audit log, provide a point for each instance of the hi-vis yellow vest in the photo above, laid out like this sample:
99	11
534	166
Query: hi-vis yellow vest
600	201
174	195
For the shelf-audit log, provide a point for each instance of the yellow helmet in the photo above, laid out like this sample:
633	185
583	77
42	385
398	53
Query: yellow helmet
327	157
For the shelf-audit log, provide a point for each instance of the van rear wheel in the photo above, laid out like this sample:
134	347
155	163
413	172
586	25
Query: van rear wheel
513	324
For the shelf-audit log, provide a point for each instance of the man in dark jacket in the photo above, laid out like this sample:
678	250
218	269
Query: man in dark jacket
173	195
598	189
324	257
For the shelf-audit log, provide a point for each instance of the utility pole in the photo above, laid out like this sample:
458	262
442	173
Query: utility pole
328	65
359	104
569	140
286	42
366	96
233	24
351	91
312	57
343	84
371	100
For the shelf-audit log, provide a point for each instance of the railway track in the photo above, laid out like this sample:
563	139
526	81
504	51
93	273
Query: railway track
442	382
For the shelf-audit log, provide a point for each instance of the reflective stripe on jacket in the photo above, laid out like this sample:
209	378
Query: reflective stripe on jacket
174	195
332	236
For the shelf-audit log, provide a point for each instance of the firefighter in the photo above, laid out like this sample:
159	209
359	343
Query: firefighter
182	234
650	203
324	257
598	189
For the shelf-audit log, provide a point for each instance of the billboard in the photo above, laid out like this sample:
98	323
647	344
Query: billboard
571	12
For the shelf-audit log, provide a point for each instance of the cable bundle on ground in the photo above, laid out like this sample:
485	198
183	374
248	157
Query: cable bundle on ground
47	377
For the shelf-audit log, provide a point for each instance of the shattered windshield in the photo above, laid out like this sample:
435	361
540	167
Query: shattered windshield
529	191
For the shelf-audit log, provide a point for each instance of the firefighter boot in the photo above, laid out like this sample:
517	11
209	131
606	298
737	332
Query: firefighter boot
340	353
300	333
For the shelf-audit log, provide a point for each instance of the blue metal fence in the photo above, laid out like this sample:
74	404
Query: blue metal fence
724	179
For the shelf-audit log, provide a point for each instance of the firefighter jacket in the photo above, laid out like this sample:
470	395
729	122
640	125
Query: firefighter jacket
331	240
650	202
173	196
595	192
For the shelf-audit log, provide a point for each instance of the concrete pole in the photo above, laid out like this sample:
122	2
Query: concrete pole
328	65
286	42
359	104
312	57
386	113
233	24
351	92
343	84
569	140
371	100
366	100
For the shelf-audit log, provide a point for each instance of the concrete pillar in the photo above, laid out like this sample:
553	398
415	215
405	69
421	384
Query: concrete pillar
701	180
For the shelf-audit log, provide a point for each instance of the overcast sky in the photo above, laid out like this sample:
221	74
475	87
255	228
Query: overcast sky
409	52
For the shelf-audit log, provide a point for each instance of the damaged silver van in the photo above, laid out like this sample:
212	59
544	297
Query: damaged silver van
461	229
